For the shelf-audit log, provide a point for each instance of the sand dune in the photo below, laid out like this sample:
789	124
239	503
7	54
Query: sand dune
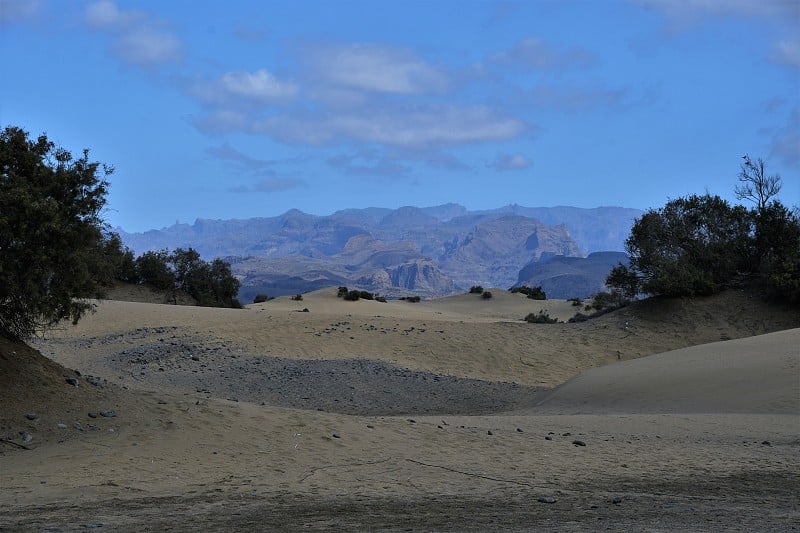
753	375
211	432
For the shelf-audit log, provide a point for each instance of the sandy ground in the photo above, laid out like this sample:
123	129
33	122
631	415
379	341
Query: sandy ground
362	416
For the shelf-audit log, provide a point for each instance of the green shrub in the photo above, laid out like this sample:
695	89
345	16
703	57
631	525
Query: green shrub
608	301
260	298
542	317
486	295
153	268
352	296
579	317
476	289
411	299
576	302
297	297
366	295
381	299
534	293
342	292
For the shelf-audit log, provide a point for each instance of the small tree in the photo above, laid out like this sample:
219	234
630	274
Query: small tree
153	268
755	185
51	236
120	259
693	245
699	244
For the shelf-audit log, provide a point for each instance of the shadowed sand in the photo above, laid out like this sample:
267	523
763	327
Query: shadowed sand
693	437
754	375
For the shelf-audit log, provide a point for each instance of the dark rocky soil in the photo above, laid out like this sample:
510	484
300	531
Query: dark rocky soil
739	503
166	357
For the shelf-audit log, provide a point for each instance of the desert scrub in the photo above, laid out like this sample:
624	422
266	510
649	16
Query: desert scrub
486	295
542	317
534	293
476	289
352	296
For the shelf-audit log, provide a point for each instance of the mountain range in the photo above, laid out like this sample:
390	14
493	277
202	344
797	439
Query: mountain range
429	251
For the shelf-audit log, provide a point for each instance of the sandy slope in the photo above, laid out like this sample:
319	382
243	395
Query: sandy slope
182	459
753	375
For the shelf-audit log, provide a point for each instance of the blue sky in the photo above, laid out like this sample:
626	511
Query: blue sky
239	109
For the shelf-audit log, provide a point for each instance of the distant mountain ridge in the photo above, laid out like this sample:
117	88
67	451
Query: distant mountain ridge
431	251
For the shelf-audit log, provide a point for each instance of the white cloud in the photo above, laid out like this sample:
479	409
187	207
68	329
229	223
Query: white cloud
786	140
226	152
369	163
258	85
511	162
534	53
431	125
137	38
788	52
19	10
105	14
576	99
148	46
269	185
375	68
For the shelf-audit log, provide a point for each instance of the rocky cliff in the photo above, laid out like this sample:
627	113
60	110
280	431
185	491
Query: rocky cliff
429	251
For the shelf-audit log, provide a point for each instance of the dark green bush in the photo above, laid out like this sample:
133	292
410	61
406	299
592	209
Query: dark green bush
603	301
297	297
260	298
476	289
342	292
699	245
579	317
411	299
352	296
534	293
153	268
542	317
486	295
381	299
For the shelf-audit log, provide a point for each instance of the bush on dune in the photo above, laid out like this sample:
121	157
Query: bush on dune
700	245
542	317
534	293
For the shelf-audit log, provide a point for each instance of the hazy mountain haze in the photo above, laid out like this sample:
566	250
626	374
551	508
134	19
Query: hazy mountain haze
430	251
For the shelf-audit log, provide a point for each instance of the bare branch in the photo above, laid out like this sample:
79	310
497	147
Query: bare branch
755	185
